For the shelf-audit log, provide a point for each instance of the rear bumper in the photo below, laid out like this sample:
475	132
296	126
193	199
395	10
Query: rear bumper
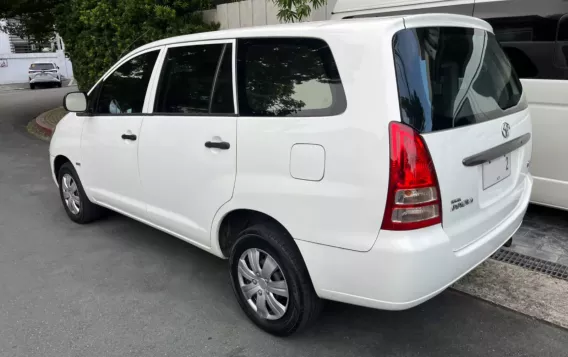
403	269
45	80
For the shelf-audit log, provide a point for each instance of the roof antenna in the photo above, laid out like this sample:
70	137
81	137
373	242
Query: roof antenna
136	39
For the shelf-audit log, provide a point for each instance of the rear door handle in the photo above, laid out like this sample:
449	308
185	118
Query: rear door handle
129	137
223	145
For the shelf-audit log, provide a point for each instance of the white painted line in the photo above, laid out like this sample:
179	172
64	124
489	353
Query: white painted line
531	293
71	82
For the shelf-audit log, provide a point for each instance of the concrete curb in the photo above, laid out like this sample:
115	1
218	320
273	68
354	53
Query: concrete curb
44	124
530	293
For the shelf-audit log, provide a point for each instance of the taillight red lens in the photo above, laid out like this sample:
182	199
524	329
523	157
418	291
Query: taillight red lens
413	199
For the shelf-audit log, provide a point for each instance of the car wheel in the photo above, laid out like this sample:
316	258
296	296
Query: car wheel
75	201
32	86
59	85
271	282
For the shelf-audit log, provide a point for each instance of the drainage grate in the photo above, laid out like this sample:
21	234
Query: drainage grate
542	266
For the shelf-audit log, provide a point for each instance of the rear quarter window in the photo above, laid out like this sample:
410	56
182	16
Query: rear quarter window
450	77
280	77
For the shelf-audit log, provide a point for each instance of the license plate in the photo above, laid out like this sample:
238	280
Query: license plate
495	171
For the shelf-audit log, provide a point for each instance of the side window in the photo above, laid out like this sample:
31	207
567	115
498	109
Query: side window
124	90
192	76
528	41
288	77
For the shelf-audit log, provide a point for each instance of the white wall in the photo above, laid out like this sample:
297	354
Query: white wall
256	13
4	41
19	63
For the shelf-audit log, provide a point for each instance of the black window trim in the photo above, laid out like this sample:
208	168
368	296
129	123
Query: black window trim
214	85
224	42
557	42
560	20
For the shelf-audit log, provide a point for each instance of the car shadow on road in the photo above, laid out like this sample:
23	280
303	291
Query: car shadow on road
447	324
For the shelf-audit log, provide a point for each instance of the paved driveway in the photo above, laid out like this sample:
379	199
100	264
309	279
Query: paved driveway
119	288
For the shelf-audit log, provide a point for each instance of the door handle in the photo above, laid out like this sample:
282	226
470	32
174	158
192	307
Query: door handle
129	137
223	145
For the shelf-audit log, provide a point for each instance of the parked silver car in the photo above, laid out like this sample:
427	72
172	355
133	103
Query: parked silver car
44	73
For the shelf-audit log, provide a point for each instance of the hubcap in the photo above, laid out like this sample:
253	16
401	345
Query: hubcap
263	284
71	194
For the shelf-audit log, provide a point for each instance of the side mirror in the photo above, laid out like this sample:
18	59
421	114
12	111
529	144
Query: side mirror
75	102
57	67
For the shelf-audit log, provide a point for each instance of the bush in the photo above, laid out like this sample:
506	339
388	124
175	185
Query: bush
98	32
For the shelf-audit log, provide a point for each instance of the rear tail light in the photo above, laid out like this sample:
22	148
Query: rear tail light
413	199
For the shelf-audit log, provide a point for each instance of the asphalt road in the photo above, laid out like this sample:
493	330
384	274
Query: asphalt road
119	288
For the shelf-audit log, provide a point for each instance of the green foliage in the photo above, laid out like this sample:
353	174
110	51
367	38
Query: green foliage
296	10
36	18
98	32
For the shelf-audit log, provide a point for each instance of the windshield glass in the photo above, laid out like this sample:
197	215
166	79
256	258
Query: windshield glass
41	66
451	76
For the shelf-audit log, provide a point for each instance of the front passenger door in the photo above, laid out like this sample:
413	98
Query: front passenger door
109	141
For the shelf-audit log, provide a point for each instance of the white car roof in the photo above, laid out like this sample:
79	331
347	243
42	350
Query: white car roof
361	5
303	29
318	28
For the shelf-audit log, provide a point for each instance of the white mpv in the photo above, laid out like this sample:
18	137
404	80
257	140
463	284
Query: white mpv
372	162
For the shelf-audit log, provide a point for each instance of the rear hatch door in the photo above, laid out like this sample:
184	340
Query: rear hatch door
46	71
458	89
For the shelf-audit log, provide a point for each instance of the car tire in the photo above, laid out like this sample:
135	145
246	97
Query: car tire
76	203
290	277
59	85
32	86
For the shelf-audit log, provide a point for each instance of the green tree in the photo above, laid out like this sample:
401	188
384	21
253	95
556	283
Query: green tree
36	18
98	32
296	10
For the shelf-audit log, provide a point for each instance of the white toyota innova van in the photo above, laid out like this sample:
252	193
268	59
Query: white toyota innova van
371	162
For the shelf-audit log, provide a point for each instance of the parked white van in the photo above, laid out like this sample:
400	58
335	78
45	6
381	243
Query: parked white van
371	162
534	34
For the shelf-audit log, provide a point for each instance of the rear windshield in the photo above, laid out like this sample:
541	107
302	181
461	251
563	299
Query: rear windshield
451	76
41	66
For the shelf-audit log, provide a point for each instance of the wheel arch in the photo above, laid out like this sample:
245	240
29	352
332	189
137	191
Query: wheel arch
232	222
58	162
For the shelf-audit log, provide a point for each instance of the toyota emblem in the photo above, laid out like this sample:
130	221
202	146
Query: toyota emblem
505	130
